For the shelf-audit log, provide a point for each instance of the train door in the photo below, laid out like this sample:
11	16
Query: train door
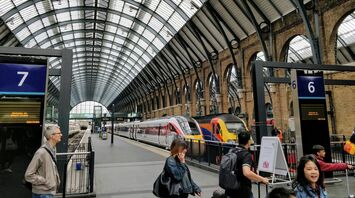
171	135
162	135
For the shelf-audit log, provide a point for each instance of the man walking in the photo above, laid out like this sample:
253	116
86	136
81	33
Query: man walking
244	169
42	171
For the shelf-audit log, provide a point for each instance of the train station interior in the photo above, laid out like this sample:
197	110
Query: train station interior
125	79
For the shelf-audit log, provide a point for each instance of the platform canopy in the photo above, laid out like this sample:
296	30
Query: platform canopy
126	46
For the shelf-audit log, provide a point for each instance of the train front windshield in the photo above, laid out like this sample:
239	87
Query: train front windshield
194	128
235	127
189	128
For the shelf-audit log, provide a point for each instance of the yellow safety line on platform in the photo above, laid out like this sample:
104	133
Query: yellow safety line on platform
148	147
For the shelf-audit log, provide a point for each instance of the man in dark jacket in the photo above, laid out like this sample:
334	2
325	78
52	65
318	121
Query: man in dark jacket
319	152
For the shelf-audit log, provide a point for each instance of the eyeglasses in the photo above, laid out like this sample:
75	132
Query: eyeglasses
56	133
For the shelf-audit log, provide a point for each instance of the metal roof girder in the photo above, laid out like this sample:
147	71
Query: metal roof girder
230	48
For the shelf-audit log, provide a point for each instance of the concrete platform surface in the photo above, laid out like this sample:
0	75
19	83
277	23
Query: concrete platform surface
128	169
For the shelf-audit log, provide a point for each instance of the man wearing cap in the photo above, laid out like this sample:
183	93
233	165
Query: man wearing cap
319	152
42	171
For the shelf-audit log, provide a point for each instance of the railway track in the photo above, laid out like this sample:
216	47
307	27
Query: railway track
74	140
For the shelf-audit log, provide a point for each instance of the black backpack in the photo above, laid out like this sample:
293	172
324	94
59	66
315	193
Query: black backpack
228	170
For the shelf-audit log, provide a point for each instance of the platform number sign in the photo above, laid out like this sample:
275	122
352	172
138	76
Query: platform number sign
22	79
310	86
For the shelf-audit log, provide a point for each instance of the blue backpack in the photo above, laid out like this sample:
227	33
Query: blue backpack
228	170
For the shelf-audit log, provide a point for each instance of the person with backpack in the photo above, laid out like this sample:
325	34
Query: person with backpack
42	171
236	173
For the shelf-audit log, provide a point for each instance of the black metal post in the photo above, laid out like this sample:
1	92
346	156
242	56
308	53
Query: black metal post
112	122
64	179
91	171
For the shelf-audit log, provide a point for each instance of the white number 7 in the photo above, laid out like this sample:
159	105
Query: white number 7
25	74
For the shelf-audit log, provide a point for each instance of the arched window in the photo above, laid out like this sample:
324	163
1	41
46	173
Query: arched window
299	50
268	108
213	84
346	40
199	90
178	96
187	93
86	110
232	84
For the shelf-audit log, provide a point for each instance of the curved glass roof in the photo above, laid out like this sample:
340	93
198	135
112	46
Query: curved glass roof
112	40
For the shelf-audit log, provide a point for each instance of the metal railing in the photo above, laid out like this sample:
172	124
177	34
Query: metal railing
78	170
210	153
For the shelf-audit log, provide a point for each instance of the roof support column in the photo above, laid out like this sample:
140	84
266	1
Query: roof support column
313	37
183	43
198	34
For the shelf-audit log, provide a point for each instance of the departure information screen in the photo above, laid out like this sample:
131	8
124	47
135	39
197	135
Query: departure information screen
313	112
20	111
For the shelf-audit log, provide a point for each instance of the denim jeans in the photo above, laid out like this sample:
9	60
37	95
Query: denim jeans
42	196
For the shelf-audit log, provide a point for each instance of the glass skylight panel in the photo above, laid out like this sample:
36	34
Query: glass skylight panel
118	40
41	37
177	21
68	37
42	7
18	2
34	27
145	17
126	22
46	45
28	13
14	21
165	10
130	9
23	34
6	5
148	35
116	5
60	4
158	44
64	16
145	57
153	4
31	43
155	24
76	15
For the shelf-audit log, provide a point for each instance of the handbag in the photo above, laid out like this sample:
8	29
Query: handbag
164	186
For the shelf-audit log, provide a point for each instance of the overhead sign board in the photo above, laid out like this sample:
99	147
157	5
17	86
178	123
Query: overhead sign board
106	118
119	119
22	79
310	87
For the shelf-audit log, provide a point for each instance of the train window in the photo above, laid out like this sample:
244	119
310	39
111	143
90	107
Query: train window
218	129
194	129
171	128
234	127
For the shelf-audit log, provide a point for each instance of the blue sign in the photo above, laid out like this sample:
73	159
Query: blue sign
22	79
310	87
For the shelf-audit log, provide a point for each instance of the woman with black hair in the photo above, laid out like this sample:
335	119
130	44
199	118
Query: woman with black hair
309	179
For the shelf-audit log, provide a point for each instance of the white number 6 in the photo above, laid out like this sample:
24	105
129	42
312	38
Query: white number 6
25	74
311	87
